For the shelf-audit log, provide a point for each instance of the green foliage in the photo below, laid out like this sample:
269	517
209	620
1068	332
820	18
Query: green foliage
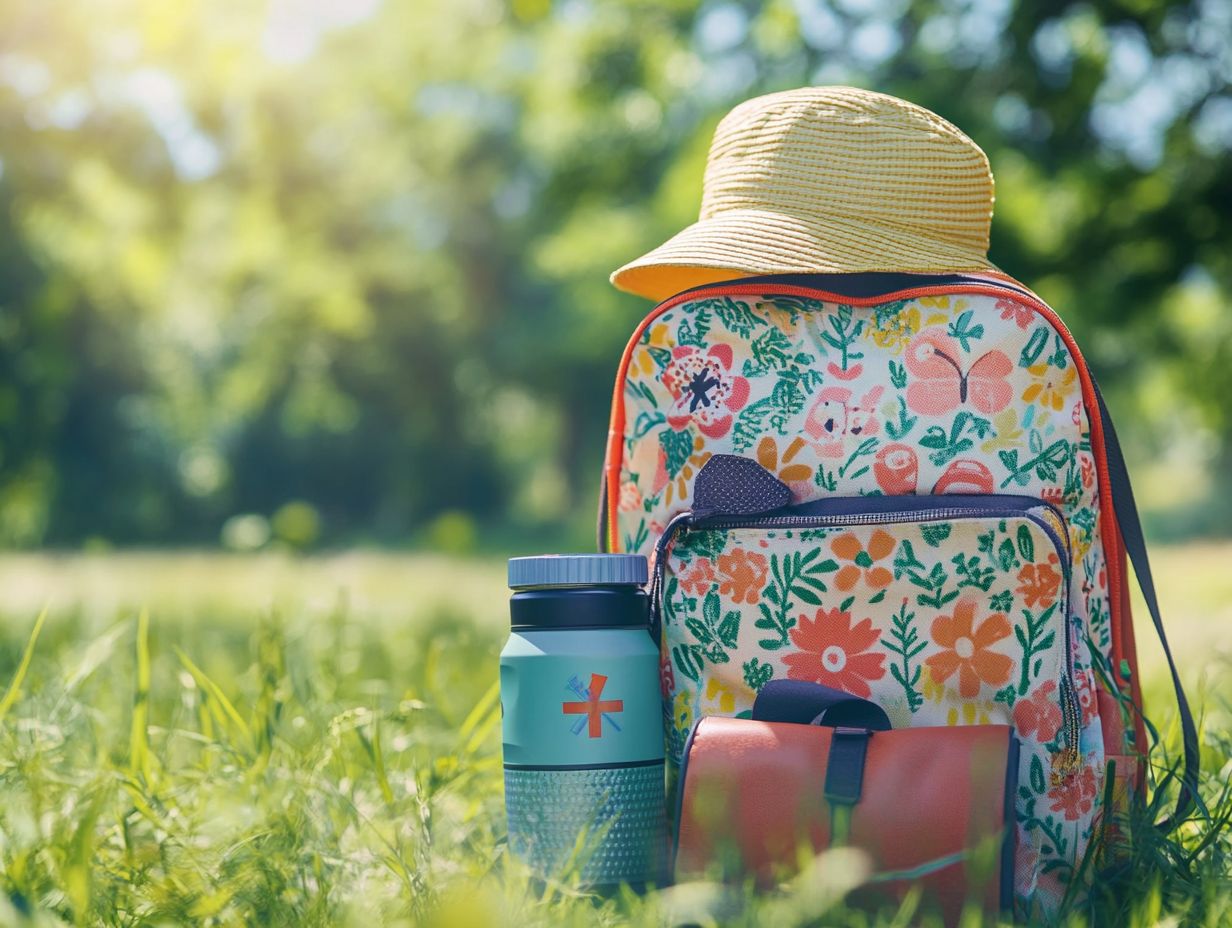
360	259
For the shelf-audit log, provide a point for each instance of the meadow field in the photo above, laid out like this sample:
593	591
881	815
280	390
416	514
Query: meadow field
204	739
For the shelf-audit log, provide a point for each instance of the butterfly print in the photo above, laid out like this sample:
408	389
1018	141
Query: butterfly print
940	385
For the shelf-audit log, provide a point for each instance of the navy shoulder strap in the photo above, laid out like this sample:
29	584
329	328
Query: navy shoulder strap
1135	546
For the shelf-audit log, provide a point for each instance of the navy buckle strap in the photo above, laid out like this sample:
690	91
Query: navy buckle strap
1135	546
845	766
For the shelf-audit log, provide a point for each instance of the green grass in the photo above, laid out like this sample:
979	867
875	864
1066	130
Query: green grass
316	742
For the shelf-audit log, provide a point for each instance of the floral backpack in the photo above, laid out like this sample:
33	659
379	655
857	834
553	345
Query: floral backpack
941	526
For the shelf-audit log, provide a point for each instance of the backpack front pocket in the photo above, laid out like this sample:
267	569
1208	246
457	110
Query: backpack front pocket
942	609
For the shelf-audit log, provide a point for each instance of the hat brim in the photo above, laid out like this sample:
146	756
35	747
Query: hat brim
744	243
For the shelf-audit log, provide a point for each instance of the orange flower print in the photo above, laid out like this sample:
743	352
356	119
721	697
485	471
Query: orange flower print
1074	795
1039	715
863	560
743	575
835	653
1051	386
967	649
1039	583
697	577
792	472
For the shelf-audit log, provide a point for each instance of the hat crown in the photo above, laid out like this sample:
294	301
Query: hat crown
851	154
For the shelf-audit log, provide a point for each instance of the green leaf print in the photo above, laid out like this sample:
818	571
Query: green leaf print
677	448
933	583
1034	347
791	392
641	392
1007	558
947	447
694	331
771	350
906	422
963	332
751	424
1006	695
1002	602
904	642
1036	638
1060	355
735	315
844	330
646	422
793	576
757	674
865	448
987	541
688	661
635	541
1044	465
708	543
898	375
934	533
1026	545
972	574
729	628
1037	775
825	479
715	631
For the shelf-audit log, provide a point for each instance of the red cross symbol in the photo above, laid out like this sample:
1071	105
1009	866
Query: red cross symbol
594	707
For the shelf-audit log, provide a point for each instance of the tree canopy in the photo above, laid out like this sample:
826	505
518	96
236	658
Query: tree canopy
352	256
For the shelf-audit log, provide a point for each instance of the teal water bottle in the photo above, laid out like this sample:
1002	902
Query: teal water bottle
583	734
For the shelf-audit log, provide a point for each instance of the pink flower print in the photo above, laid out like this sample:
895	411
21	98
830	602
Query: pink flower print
703	389
1084	684
630	497
1039	715
897	469
1021	315
940	384
834	416
667	677
1075	795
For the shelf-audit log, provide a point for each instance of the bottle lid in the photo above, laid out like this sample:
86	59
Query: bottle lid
547	570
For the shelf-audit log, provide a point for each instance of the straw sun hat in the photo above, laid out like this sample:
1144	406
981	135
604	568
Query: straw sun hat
828	179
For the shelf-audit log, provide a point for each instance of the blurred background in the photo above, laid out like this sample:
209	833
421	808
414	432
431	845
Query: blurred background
331	273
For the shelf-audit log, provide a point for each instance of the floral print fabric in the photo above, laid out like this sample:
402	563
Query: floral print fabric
923	618
932	395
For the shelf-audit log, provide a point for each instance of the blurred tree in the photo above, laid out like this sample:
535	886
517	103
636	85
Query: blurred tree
355	253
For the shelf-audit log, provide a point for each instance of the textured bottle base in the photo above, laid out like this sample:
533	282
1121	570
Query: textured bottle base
548	809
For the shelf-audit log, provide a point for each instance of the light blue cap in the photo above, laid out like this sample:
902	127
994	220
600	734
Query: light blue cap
577	570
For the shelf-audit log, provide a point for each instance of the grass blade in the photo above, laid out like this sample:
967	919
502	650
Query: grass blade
139	736
214	692
14	690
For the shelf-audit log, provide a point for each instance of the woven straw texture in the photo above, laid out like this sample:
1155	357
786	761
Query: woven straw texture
828	179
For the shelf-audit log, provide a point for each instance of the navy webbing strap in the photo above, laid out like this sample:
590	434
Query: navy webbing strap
1135	547
853	721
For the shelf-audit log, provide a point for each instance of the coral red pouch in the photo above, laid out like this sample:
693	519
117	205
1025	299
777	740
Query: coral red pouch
816	768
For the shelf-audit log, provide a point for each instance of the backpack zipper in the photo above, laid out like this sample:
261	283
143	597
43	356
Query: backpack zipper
1070	758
